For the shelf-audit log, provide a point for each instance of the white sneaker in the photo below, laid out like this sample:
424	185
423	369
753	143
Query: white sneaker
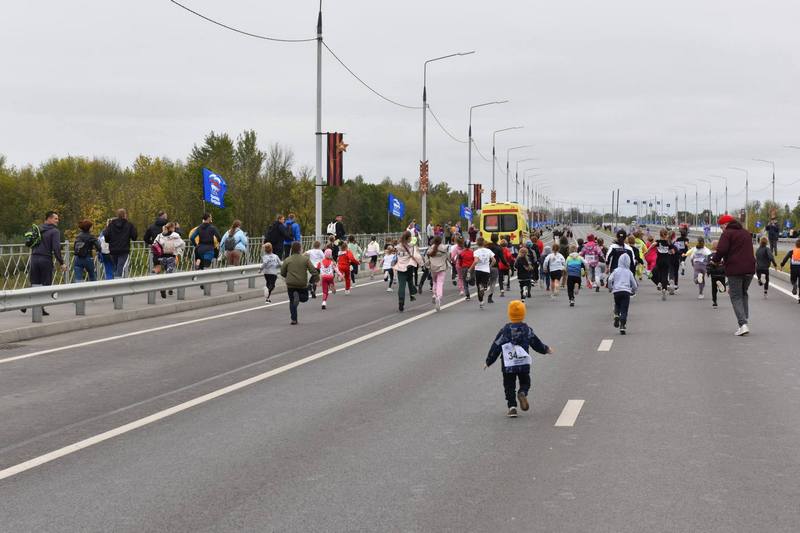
720	286
324	306
699	277
743	330
700	296
388	289
346	291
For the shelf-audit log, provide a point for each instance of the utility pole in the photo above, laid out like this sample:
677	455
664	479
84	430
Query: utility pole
318	191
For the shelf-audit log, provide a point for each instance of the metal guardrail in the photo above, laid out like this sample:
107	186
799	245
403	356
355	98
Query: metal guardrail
15	260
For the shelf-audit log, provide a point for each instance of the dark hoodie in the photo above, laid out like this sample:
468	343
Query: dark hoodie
119	235
154	230
520	334
50	245
735	247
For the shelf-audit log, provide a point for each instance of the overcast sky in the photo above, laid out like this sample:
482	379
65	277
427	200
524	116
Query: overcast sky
634	94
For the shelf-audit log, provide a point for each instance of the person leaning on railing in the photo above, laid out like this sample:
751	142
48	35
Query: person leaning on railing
171	246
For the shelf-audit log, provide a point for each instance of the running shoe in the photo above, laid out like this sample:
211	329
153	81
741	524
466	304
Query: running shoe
663	295
523	401
720	286
701	296
388	289
347	291
572	303
616	321
512	412
622	329
502	293
324	306
699	277
714	306
794	289
742	331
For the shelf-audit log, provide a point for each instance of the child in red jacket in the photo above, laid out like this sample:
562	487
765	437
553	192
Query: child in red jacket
345	260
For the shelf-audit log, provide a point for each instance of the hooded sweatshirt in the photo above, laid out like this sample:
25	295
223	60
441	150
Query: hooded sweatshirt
591	253
119	235
575	264
622	279
518	334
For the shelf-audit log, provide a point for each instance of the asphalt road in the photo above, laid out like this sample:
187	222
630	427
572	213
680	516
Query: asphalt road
388	422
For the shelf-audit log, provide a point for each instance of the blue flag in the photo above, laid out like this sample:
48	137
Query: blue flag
396	206
466	212
214	188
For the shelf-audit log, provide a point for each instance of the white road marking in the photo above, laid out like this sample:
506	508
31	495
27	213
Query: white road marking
605	345
151	330
566	419
160	415
781	289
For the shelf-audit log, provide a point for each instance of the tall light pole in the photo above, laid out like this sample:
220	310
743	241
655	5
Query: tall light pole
494	155
508	154
710	213
685	208
726	189
516	177
537	196
318	133
469	147
696	203
773	175
746	191
424	201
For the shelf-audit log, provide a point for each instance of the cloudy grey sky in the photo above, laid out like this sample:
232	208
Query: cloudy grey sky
634	94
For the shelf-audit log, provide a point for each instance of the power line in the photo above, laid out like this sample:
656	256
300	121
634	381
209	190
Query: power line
456	139
365	84
480	154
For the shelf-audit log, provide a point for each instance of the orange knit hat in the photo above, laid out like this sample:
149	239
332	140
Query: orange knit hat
516	311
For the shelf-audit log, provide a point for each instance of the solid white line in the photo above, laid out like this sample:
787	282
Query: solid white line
151	330
781	289
160	415
605	345
567	418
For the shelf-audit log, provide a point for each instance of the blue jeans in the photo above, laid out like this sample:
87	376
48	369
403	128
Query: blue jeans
108	266
119	264
81	265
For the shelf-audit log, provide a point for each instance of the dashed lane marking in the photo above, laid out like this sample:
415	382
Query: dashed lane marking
566	419
605	345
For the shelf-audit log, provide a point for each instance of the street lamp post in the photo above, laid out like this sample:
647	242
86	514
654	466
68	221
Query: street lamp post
773	175
746	191
508	154
726	189
685	207
710	213
469	147
516	177
424	200
494	155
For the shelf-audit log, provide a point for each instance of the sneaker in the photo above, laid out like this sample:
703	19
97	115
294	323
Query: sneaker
44	312
480	305
616	321
388	289
324	305
413	298
720	286
347	291
572	303
170	292
438	304
760	283
597	289
622	330
672	290
714	306
663	295
523	401
490	300
701	296
699	277
293	322
164	294
455	283
794	289
467	297
502	294
742	331
512	412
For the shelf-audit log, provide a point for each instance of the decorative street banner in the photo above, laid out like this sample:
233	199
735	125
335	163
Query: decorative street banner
788	224
466	212
758	223
214	188
336	149
396	206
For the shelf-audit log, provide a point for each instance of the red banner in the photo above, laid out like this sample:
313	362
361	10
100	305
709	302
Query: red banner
336	149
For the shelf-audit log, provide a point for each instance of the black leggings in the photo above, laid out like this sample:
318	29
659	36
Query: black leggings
270	279
714	280
481	283
510	386
572	282
661	273
763	272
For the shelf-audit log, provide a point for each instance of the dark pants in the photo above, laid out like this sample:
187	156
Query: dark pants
676	267
482	280
41	270
287	249
296	297
524	288
714	291
510	386
773	245
622	300
389	274
81	265
794	275
572	282
763	272
270	279
405	279
426	275
414	273
661	273
354	273
737	289
119	261
501	276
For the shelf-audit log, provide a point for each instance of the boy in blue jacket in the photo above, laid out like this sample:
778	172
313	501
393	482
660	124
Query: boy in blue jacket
513	342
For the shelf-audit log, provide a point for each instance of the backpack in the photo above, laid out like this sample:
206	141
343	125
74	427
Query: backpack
157	249
332	228
82	248
33	237
230	243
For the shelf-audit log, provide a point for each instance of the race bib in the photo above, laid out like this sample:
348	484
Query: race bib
514	355
590	258
663	250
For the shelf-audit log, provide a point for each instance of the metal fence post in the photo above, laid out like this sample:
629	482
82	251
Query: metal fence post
151	298
36	314
118	302
181	293
251	283
80	308
231	285
207	289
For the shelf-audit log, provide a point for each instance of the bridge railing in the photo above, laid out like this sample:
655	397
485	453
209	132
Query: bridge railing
15	260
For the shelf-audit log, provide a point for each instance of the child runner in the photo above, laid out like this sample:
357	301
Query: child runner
576	266
602	264
355	249
716	271
525	271
504	266
316	255
465	260
372	252
591	254
345	260
545	254
699	257
513	341
389	259
622	283
455	250
664	263
794	268
554	268
436	262
270	267
764	258
500	259
482	268
327	271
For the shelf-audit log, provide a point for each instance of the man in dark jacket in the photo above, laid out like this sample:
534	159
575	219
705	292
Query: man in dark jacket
119	235
155	228
340	232
276	234
41	269
735	248
206	239
773	232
